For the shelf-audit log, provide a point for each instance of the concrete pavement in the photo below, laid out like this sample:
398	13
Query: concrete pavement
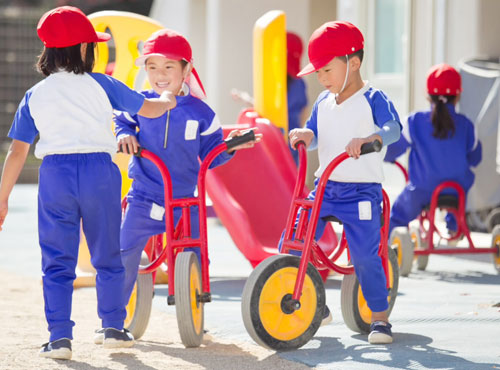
446	317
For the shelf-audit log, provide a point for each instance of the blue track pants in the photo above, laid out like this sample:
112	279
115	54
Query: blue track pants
74	190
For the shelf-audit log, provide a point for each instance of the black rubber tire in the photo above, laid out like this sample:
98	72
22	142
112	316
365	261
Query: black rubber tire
187	264
401	243
143	303
495	242
349	293
418	243
251	299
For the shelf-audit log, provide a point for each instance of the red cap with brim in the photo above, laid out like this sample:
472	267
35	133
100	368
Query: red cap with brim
172	45
67	26
332	39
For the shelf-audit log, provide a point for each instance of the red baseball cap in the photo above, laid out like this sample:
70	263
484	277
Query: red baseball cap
172	45
443	79
332	39
166	43
67	26
294	49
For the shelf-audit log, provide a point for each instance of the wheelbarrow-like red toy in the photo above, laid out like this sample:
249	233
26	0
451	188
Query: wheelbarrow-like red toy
284	297
417	242
188	285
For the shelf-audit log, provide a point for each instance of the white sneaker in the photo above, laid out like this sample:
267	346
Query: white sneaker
99	336
380	333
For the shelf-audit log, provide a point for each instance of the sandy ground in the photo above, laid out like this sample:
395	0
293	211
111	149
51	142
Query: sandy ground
24	330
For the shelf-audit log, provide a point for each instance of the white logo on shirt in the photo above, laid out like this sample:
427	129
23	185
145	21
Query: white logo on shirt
191	129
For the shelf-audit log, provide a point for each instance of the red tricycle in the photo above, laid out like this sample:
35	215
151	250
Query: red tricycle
417	242
284	297
188	286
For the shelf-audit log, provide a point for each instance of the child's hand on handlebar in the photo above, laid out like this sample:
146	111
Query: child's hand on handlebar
128	144
250	144
300	134
353	149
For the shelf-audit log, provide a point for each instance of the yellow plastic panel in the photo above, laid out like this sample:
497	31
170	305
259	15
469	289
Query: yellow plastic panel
269	68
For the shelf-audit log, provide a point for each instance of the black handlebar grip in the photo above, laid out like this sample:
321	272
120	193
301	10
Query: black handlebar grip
238	140
138	154
296	146
374	146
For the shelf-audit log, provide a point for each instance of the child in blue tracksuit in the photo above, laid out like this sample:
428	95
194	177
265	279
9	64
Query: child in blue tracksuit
71	111
444	147
345	116
180	137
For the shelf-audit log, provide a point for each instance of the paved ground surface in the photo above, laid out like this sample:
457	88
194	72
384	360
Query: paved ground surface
447	317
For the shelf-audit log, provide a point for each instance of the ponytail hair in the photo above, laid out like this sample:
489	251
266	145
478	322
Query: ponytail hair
442	122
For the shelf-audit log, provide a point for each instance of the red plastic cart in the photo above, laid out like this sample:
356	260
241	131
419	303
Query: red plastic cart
189	286
284	297
417	242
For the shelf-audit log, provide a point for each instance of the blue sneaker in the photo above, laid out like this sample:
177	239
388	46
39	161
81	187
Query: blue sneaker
380	333
59	349
114	338
327	316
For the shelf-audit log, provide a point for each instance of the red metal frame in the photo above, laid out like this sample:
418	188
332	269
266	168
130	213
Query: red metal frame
463	230
178	238
310	250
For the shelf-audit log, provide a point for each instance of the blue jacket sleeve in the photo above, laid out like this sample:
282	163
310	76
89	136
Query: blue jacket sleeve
210	137
474	147
125	124
23	127
396	149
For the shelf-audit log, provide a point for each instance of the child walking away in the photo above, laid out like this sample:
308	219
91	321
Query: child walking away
180	138
71	111
443	147
346	115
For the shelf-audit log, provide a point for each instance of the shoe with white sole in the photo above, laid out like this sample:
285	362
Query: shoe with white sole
380	333
99	336
59	349
114	338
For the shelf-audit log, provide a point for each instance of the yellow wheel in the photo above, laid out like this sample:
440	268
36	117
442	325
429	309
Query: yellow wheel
188	306
266	315
140	302
355	311
495	242
418	243
401	242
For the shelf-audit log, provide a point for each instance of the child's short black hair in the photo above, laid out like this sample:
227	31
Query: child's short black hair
68	59
360	53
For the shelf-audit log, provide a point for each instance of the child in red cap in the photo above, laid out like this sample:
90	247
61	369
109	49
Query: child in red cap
346	115
71	111
181	137
443	147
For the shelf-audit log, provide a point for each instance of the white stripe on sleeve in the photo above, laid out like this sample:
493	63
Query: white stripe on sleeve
214	126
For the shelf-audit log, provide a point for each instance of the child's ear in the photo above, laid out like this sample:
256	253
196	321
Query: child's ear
354	63
187	70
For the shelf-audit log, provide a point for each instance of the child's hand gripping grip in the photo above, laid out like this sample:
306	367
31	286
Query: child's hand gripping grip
374	146
238	140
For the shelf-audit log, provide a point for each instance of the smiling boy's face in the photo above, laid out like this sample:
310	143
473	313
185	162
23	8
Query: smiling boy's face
165	74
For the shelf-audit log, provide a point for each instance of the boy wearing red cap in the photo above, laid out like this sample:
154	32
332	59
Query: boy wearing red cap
180	138
346	115
71	111
443	147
